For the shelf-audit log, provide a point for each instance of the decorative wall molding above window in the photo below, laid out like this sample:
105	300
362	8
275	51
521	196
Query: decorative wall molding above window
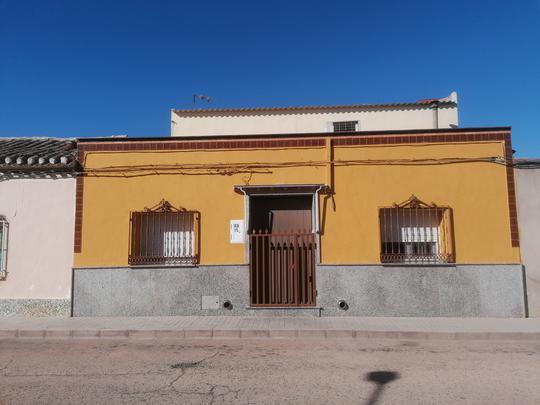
414	202
164	206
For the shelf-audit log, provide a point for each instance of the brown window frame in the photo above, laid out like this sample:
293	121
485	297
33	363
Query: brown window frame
414	232
164	235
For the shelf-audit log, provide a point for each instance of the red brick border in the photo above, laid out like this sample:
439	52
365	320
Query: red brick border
79	188
198	145
511	186
301	141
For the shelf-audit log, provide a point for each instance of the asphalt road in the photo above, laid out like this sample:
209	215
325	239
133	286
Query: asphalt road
269	372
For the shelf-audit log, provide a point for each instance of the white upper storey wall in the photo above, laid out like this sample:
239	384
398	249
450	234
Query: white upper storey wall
441	113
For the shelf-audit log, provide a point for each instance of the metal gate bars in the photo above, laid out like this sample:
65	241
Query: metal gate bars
282	269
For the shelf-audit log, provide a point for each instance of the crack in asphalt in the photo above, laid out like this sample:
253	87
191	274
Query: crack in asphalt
83	374
234	374
229	390
184	365
5	367
159	390
170	386
157	372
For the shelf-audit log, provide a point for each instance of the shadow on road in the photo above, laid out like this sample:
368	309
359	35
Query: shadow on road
380	378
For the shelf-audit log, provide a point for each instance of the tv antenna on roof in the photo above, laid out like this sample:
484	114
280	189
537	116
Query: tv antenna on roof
201	97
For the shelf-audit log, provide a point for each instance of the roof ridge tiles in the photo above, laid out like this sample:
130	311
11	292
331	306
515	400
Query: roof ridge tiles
37	153
419	103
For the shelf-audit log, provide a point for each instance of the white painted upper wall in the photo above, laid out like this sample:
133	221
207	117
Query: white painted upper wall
41	216
421	115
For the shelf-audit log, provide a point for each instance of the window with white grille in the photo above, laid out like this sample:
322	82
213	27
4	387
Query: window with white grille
416	232
3	247
163	235
345	126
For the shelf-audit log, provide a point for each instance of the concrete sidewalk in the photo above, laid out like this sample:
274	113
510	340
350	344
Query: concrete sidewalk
270	327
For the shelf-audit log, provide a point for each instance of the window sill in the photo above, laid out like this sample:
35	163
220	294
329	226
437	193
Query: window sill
418	264
161	266
290	307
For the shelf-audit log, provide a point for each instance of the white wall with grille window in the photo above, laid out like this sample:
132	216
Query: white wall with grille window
37	255
343	126
379	117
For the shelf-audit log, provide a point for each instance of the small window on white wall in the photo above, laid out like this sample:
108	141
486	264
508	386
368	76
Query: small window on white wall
3	247
345	126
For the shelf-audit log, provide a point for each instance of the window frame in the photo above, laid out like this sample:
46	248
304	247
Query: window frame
408	244
4	238
355	122
164	214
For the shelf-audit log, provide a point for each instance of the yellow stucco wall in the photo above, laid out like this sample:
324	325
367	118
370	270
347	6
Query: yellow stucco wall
477	192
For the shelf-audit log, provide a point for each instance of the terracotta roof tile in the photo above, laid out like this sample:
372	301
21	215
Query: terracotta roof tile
419	103
40	154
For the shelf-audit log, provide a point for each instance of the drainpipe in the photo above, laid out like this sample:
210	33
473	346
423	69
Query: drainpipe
246	225
317	209
435	107
330	166
317	229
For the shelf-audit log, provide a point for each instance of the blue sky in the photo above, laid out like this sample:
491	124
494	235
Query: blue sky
95	68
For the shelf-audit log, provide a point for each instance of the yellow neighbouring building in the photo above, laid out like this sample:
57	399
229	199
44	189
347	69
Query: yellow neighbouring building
371	223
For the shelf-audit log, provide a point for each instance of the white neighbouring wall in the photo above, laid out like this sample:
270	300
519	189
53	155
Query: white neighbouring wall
41	216
528	200
201	122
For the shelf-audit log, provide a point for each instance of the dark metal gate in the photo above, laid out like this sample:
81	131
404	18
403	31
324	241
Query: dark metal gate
282	269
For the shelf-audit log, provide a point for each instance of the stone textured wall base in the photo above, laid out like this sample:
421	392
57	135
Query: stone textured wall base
159	291
35	307
415	291
423	291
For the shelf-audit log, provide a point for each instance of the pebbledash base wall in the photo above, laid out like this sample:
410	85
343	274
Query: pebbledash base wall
369	290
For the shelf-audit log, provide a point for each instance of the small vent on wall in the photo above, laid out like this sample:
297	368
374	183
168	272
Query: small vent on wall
345	126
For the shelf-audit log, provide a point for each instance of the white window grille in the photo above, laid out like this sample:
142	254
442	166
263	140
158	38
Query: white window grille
345	126
178	244
3	247
420	241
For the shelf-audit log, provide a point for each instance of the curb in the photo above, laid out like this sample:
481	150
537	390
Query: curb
258	334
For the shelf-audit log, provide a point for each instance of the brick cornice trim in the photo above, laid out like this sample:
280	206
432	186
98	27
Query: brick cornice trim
297	142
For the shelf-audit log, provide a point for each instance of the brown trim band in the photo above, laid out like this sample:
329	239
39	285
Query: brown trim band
79	188
511	187
303	135
200	145
354	139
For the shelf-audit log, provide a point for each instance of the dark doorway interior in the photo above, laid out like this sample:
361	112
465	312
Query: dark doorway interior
281	214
